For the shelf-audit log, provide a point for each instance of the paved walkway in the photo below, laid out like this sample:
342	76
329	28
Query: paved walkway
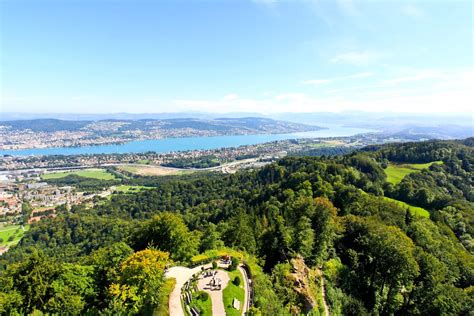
246	288
181	274
216	295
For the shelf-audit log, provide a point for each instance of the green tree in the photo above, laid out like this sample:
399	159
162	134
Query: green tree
33	279
324	226
106	262
384	257
240	234
141	278
26	210
211	239
168	232
304	240
71	290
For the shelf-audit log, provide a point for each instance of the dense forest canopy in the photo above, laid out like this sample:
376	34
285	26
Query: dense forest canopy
377	257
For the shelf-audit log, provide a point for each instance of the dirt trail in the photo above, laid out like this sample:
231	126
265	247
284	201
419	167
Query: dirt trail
323	291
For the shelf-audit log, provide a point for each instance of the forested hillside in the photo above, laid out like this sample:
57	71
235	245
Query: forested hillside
337	213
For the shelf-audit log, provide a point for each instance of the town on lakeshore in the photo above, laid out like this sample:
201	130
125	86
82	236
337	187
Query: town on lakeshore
46	133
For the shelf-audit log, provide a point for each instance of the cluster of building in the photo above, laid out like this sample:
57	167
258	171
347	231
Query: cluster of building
22	186
96	160
9	203
44	195
87	133
22	139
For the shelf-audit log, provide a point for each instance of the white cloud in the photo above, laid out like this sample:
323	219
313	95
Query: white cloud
317	82
425	91
412	11
418	75
355	58
450	92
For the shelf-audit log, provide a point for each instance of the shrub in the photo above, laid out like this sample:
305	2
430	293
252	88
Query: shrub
236	281
203	296
234	264
214	265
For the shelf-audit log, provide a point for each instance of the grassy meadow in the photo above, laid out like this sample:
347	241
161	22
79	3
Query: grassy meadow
414	210
150	170
99	174
11	234
232	291
130	188
396	172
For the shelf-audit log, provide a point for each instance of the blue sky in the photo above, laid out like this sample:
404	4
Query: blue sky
222	56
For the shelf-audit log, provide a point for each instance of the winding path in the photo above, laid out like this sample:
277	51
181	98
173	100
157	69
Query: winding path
323	290
246	280
181	274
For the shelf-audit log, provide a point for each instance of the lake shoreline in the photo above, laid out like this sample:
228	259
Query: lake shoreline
180	144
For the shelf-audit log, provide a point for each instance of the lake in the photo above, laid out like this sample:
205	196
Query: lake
186	143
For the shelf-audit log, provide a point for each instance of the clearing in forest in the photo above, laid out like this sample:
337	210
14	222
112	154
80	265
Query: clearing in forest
414	210
396	172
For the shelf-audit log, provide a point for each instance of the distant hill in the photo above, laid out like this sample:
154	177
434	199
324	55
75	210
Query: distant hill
42	133
225	125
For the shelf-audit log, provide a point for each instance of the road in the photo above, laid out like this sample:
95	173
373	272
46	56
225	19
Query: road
104	165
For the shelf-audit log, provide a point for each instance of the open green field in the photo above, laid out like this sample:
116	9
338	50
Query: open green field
11	234
99	174
130	188
232	291
414	210
151	170
396	172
